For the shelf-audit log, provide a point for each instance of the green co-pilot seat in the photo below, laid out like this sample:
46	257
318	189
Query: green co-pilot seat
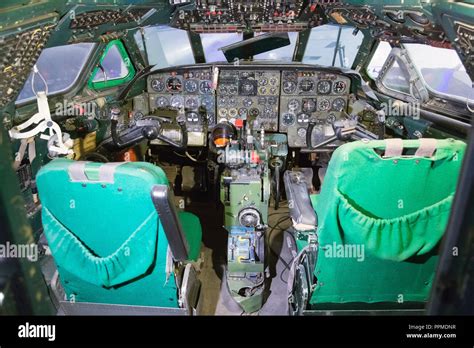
382	211
114	234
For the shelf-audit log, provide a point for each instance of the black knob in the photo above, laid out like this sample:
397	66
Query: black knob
150	132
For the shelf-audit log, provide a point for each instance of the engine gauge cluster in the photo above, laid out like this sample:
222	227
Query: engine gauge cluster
316	96
251	95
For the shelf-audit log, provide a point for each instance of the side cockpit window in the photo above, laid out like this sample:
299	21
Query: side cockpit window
442	71
439	71
58	70
115	67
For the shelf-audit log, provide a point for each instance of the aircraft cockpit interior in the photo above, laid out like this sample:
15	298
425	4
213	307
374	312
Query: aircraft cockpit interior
235	157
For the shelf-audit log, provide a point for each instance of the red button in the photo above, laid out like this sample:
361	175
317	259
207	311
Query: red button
239	123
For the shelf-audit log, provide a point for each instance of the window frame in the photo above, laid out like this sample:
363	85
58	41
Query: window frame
110	83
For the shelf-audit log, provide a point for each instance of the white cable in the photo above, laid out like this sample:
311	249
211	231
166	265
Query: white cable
467	104
37	72
190	157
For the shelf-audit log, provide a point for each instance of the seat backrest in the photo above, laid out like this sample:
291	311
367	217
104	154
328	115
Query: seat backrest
381	215
104	232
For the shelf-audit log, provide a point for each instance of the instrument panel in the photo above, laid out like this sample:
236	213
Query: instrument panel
250	95
190	92
276	100
311	96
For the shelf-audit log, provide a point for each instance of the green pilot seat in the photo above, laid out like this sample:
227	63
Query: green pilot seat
392	200
114	233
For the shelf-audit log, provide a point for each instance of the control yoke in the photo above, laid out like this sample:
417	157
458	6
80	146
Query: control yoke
342	132
149	128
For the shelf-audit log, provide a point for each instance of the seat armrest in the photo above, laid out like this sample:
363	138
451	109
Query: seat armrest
164	203
301	211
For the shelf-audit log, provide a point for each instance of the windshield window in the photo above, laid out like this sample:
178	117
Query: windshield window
167	47
212	42
60	67
323	47
283	53
442	70
329	45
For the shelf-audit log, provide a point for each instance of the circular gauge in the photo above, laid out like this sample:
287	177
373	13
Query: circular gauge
268	111
247	102
191	86
222	101
324	105
205	87
243	112
262	90
232	112
162	102
254	112
232	101
273	81
339	87
309	105
302	118
192	103
222	112
263	81
192	117
324	87
293	104
306	85
232	90
177	102
301	132
289	87
338	104
210	118
262	101
288	119
174	84
248	87
157	85
207	102
331	118
137	115
222	89
272	100
273	91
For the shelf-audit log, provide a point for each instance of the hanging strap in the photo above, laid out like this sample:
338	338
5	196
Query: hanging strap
427	147
393	147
